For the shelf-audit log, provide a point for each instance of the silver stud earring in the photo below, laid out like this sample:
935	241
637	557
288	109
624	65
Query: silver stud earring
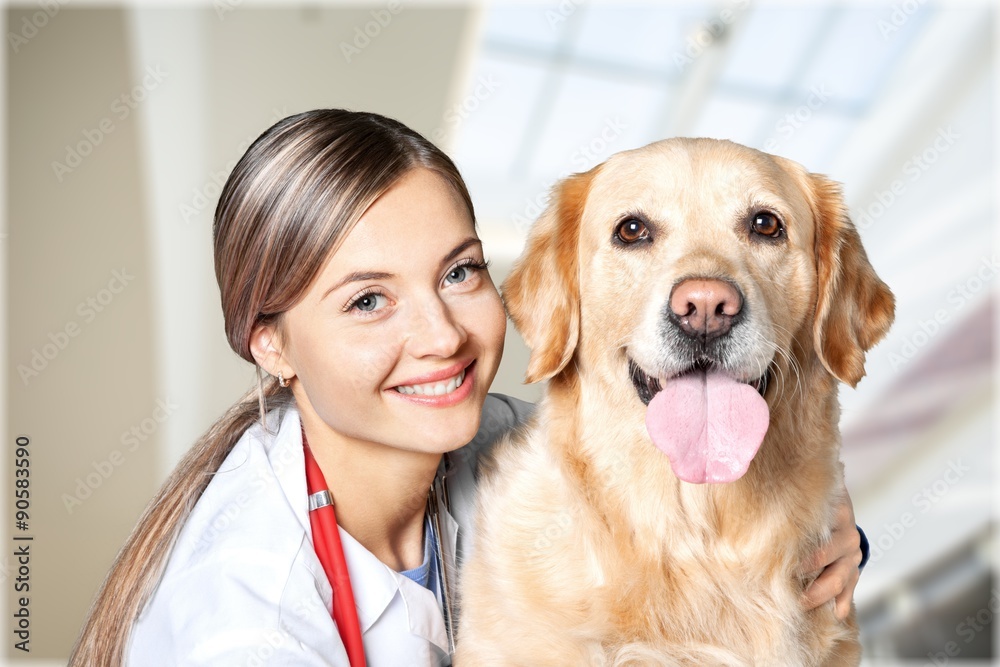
281	380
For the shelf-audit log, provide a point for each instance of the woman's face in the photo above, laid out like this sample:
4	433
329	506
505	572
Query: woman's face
398	339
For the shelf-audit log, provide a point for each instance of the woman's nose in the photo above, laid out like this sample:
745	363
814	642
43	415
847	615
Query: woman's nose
435	331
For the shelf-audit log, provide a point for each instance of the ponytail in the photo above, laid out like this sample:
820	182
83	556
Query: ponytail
137	569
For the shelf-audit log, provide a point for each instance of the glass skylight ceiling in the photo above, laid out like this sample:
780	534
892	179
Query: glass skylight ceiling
575	86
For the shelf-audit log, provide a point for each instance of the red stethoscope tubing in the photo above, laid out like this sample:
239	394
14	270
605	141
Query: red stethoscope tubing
326	541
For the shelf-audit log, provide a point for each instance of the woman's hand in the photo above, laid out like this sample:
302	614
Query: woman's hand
838	560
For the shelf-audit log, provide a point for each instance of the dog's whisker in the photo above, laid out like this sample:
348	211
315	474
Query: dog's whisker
787	390
791	365
781	393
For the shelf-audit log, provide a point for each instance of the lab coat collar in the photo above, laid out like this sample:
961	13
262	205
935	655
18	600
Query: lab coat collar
382	584
287	459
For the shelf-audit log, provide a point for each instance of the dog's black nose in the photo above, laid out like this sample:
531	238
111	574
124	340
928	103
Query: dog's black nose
704	308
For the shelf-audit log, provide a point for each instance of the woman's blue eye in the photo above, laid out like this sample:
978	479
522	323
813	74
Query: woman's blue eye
463	272
458	274
368	302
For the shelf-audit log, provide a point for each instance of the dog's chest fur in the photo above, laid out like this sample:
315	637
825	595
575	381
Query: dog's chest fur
631	570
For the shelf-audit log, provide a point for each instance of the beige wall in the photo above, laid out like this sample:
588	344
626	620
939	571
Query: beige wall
158	342
66	240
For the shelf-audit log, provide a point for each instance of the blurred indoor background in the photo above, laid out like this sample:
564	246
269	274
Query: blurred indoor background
123	121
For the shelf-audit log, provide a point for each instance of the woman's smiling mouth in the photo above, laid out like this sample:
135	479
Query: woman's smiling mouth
433	388
441	388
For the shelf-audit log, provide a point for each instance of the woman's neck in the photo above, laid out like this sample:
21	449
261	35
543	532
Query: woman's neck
379	492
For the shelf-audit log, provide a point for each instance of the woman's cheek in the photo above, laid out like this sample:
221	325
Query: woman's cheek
357	358
493	320
372	362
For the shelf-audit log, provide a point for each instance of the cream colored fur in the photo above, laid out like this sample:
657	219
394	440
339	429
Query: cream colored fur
589	551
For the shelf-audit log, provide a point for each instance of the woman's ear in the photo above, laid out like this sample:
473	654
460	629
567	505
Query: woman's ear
854	308
266	347
542	292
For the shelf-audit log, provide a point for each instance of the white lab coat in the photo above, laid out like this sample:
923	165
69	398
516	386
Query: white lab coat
243	585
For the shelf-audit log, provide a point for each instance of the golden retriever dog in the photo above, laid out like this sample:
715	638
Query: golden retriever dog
693	304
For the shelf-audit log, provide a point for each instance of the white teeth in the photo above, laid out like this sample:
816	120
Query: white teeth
433	388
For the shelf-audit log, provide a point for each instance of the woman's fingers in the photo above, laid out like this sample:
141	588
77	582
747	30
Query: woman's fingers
837	562
836	582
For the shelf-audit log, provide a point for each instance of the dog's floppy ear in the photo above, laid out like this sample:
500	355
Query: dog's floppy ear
542	292
854	308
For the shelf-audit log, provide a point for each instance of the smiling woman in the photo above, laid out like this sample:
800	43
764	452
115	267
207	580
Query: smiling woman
418	325
351	275
350	271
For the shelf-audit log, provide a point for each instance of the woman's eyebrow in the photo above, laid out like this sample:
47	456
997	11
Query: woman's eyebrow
358	276
472	240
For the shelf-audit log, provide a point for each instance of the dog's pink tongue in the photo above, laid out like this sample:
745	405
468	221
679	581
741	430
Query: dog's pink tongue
709	426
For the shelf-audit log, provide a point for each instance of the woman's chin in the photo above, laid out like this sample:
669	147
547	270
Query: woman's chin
448	439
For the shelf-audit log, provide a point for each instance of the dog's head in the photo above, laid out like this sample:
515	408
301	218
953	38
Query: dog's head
695	258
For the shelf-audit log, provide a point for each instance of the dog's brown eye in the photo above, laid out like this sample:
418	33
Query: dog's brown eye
767	224
632	230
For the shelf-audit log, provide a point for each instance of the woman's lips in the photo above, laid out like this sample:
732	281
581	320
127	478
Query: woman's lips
438	375
445	386
441	388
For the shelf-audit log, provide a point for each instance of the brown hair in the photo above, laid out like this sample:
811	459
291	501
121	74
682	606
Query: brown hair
296	192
